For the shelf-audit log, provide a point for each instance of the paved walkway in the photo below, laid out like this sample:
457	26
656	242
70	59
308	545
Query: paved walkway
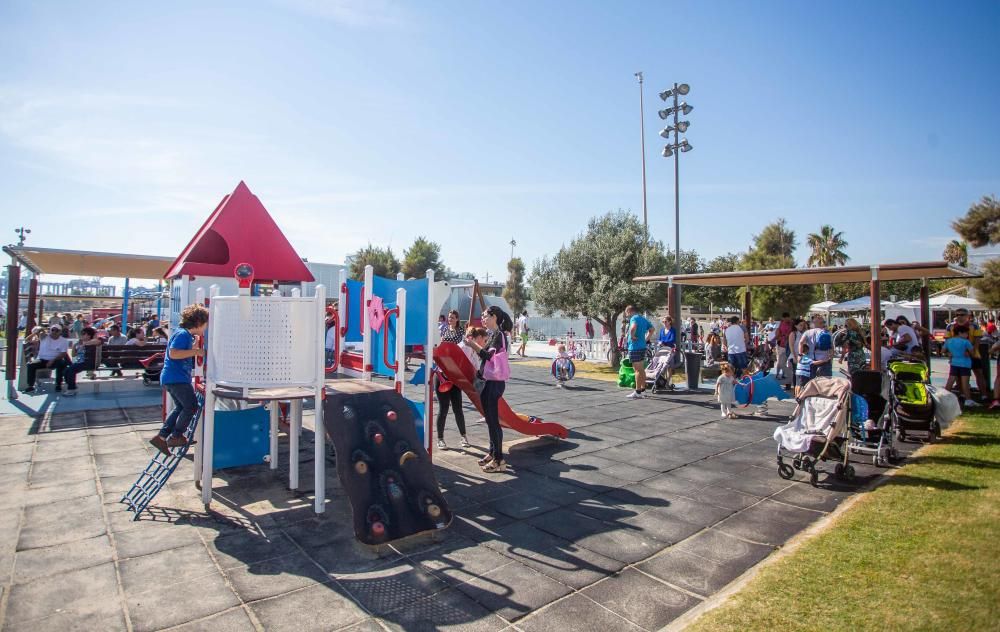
650	507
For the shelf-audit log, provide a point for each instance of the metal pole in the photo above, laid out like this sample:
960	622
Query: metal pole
925	320
677	204
13	313
642	143
876	333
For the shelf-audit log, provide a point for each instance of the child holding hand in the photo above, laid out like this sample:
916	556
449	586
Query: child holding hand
725	390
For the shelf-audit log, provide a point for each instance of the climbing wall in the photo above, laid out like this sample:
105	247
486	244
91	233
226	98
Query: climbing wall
382	465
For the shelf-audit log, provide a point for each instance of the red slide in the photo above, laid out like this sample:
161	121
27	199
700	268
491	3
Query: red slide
451	360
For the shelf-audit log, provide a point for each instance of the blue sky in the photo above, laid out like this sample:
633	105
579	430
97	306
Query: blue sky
471	123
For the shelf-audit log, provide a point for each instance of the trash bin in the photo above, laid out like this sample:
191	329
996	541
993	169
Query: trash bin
693	367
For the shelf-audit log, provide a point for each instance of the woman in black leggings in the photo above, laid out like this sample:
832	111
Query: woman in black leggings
499	324
453	397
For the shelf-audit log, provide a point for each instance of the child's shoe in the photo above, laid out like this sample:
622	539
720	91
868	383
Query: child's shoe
442	445
465	442
493	466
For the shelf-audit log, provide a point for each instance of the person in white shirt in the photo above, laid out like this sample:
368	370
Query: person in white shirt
818	344
736	345
53	353
521	327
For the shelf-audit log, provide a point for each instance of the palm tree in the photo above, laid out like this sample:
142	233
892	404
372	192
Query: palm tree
827	250
956	252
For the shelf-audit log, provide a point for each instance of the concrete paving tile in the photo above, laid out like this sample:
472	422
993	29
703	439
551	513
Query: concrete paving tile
722	497
61	521
385	589
13	474
691	572
806	496
75	445
661	526
249	547
61	471
568	524
756	486
720	547
671	482
768	522
154	538
195	583
123	442
51	494
479	522
122	463
698	513
460	562
577	613
622	545
33	564
605	508
522	536
520	505
641	599
448	610
16	435
233	620
275	576
79	622
514	590
18	453
568	564
89	593
345	555
319	607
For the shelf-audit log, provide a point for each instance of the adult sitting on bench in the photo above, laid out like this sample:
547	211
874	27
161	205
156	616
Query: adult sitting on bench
52	354
115	338
85	358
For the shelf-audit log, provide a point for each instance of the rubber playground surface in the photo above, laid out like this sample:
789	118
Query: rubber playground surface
647	509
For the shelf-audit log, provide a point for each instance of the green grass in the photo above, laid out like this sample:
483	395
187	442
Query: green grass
921	552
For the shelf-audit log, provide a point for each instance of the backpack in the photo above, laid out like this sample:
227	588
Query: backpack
824	341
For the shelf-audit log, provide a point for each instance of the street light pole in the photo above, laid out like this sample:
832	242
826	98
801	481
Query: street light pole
673	149
677	200
642	143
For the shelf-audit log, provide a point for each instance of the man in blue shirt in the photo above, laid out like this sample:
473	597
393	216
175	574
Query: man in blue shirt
639	332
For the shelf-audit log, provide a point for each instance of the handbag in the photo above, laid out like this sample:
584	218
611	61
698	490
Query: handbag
497	368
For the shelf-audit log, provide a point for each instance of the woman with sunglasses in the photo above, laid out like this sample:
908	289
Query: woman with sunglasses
494	373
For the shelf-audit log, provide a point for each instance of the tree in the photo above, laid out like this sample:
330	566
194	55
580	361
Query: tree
381	259
712	297
772	249
956	252
981	224
514	292
422	256
827	250
593	274
988	287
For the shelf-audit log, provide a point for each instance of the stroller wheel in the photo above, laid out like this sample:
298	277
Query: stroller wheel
901	434
813	476
797	463
839	470
145	380
785	471
849	473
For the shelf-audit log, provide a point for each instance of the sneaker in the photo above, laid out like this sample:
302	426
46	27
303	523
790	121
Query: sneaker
481	420
160	444
30	389
732	415
58	388
485	460
995	404
633	395
71	392
972	404
493	466
442	445
465	443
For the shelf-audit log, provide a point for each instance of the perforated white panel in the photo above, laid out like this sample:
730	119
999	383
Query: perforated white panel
277	345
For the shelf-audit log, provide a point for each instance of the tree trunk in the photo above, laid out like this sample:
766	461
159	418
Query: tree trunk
616	356
826	291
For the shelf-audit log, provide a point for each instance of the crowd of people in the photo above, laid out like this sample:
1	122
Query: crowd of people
69	346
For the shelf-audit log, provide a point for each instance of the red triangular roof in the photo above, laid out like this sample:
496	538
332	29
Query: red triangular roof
240	230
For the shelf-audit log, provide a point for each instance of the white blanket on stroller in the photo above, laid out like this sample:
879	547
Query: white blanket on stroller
816	416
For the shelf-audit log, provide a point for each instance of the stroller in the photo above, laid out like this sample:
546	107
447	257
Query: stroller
151	368
817	431
664	361
910	404
871	429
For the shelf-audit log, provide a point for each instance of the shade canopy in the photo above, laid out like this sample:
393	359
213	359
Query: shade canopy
950	301
87	264
815	276
860	304
822	306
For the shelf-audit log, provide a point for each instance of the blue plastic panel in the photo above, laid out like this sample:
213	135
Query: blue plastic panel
242	437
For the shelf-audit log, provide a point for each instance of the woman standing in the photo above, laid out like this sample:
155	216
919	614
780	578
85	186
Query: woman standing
854	347
494	373
799	327
452	398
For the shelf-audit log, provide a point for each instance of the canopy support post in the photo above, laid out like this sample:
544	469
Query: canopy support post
876	334
925	320
32	304
671	298
125	306
748	309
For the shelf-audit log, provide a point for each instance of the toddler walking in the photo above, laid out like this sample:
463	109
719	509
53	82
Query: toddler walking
725	390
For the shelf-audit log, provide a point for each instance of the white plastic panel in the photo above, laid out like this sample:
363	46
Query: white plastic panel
278	344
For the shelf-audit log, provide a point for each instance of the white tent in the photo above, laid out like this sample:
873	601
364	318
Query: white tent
823	306
949	302
864	304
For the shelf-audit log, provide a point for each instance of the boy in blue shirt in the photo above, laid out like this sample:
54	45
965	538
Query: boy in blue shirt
639	330
178	362
959	350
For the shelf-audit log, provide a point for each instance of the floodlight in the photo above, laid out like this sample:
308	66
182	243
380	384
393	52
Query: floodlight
666	94
683	126
664	113
686	146
683	89
665	132
685	108
667	151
